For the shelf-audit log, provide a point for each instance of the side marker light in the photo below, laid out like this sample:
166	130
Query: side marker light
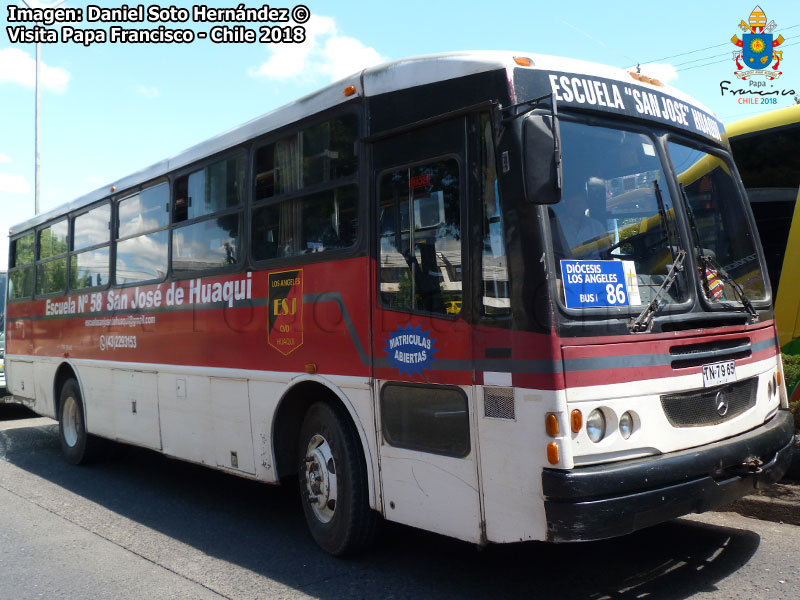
576	420
552	453
551	425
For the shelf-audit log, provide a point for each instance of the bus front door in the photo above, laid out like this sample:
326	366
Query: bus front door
422	345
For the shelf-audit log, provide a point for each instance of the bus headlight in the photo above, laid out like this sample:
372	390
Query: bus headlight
596	425
626	425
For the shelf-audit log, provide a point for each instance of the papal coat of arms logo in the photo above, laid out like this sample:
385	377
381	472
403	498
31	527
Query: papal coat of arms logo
757	48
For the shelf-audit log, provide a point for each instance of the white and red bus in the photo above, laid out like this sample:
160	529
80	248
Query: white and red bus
496	297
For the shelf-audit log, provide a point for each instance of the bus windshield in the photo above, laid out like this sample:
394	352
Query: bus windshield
719	225
616	206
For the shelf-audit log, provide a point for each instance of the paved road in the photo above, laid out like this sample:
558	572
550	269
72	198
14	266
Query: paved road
142	526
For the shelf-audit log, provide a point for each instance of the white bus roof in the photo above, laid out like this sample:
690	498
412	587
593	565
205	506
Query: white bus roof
387	77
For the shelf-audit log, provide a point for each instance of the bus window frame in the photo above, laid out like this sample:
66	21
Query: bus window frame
124	195
110	244
617	314
243	150
32	265
360	179
38	261
726	157
464	203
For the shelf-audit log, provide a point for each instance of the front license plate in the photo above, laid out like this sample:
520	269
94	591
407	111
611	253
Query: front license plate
722	372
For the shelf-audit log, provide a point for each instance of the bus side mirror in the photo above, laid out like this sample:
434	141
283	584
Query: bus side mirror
542	159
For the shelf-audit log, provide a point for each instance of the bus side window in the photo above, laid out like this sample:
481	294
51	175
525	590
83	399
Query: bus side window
142	235
318	154
329	150
496	292
425	418
20	277
322	156
215	188
329	220
267	241
772	188
51	268
420	243
89	257
206	221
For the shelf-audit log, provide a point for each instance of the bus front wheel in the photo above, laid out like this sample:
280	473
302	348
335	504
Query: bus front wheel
333	482
76	445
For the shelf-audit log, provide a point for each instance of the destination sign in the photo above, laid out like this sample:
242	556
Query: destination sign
594	283
612	96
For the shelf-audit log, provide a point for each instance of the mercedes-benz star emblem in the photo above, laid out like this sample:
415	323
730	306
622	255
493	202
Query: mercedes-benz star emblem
722	403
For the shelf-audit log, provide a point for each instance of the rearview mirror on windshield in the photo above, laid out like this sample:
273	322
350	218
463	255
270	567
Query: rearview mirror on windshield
542	159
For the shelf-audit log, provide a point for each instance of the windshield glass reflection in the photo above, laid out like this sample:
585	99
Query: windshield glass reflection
616	206
719	223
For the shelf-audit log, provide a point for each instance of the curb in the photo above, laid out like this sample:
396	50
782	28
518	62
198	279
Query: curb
779	503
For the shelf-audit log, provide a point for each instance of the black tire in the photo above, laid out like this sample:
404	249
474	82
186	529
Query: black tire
77	446
349	525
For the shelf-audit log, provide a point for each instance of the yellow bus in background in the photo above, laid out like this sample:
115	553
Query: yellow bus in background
3	280
766	149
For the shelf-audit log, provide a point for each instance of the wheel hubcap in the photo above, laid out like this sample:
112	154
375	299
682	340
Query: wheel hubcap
71	422
320	472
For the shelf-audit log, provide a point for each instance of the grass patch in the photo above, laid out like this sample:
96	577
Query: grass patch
791	373
791	370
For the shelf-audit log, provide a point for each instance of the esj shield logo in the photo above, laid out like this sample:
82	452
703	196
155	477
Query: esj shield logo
594	283
286	310
410	349
757	48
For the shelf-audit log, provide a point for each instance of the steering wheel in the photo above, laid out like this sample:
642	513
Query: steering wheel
661	243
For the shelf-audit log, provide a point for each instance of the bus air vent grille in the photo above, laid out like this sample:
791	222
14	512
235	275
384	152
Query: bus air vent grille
498	402
695	355
710	406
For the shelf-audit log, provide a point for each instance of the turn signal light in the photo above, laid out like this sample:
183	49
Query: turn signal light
552	453
645	79
576	420
779	373
551	425
311	368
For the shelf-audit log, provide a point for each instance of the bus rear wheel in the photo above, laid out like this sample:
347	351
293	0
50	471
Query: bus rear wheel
333	482
77	446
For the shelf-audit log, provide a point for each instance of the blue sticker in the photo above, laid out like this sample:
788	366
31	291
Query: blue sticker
594	283
410	349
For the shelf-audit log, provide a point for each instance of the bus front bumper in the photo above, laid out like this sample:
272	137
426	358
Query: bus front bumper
608	500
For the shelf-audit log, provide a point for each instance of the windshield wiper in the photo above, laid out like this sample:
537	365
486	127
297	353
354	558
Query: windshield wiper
708	262
644	321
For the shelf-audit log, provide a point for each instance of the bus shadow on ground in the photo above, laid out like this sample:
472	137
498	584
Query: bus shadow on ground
12	411
261	528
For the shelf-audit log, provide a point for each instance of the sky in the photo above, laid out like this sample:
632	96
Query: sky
111	109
